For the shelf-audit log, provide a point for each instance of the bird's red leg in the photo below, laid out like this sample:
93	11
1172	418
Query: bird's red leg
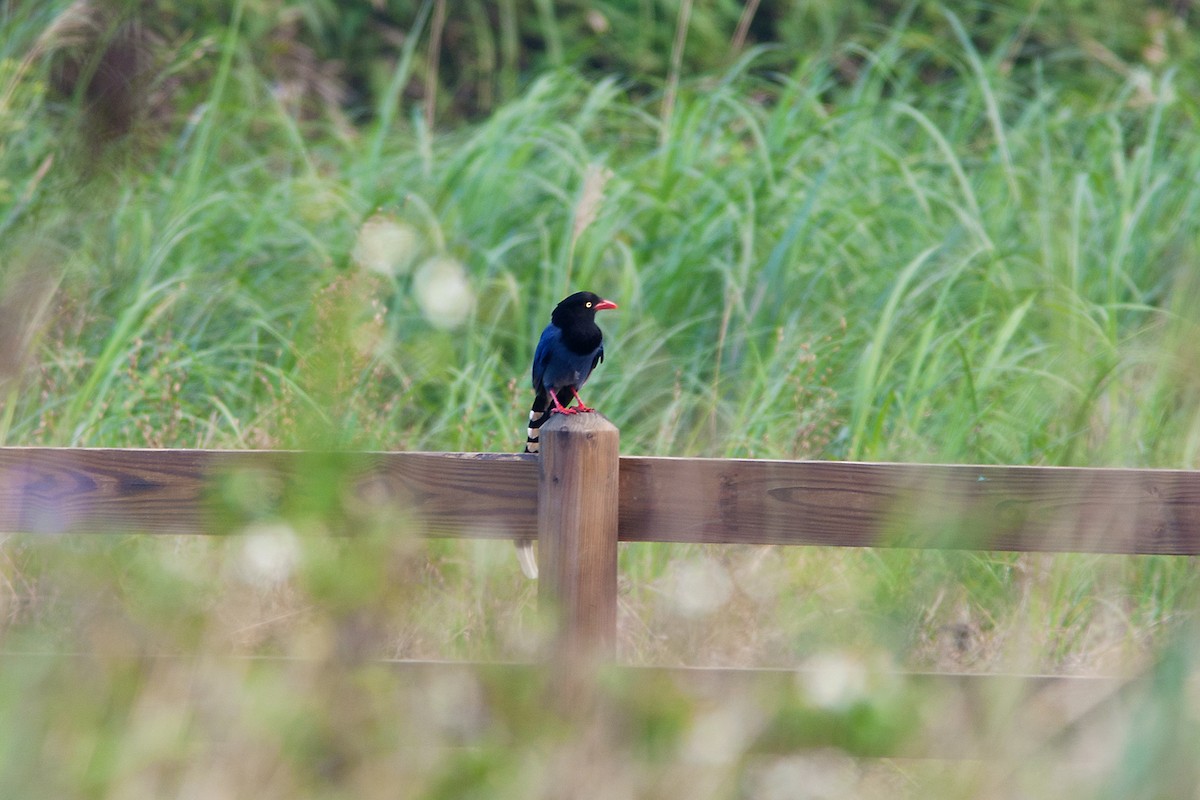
559	406
581	406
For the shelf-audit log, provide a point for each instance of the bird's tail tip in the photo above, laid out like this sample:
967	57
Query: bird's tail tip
527	559
537	418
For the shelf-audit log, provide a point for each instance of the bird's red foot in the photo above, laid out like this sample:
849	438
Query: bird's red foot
579	403
559	407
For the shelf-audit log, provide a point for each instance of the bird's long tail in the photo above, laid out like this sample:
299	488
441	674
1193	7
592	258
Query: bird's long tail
538	415
527	558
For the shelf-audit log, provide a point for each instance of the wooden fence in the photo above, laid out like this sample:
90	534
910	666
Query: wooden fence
579	498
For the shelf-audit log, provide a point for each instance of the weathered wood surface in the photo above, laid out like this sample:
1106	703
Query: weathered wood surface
102	490
577	531
1058	509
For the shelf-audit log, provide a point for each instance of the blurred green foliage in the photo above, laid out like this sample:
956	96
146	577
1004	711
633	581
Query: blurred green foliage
867	231
327	55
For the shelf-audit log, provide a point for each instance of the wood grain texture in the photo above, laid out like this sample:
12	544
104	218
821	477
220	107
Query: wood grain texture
1055	509
577	530
1060	509
84	490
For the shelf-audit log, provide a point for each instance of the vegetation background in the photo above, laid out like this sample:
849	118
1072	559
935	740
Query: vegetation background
847	230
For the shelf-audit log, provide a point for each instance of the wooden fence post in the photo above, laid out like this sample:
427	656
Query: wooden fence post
577	532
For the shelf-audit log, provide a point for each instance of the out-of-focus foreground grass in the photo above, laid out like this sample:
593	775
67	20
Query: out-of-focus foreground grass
942	237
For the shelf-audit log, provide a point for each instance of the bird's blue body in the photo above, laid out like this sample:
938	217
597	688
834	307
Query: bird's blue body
557	366
568	350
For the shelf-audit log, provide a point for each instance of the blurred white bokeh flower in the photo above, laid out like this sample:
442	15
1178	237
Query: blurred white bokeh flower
386	245
698	587
443	293
834	681
722	734
820	775
270	553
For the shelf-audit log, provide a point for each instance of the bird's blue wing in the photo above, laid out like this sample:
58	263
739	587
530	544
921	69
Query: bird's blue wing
550	341
556	366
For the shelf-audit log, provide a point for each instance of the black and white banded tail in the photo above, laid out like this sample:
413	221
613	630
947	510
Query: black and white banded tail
538	415
537	418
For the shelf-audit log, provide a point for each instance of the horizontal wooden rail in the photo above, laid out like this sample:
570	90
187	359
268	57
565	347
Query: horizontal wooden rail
1057	509
960	712
105	490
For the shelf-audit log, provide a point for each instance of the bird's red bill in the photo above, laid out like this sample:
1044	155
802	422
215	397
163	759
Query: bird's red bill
605	304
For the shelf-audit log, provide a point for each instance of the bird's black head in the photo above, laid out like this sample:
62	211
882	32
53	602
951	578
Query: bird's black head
579	307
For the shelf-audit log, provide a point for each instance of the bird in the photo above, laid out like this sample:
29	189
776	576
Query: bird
570	347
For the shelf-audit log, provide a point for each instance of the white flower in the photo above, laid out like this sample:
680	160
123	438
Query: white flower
834	681
443	293
270	552
386	245
698	587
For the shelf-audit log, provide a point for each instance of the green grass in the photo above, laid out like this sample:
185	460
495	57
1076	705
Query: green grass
994	265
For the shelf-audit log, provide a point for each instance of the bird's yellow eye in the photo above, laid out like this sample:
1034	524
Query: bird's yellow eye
589	303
